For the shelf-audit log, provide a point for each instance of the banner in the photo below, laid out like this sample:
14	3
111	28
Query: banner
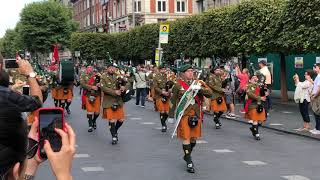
157	57
298	62
164	33
55	56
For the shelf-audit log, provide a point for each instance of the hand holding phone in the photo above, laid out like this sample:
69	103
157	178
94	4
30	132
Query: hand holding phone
61	162
10	63
50	119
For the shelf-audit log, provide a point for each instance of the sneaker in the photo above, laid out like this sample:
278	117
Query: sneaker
312	130
143	106
242	111
316	132
230	116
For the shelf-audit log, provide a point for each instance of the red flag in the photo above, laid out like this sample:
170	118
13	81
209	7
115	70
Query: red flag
55	57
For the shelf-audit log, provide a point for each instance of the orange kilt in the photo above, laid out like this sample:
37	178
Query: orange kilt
255	116
93	107
184	131
110	114
62	96
54	93
215	107
161	106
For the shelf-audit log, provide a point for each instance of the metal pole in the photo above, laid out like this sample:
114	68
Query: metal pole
133	14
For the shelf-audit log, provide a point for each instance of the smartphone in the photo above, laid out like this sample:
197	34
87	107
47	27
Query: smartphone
26	90
10	63
49	119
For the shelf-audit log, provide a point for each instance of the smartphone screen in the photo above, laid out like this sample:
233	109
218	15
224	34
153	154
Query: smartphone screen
10	63
49	119
26	90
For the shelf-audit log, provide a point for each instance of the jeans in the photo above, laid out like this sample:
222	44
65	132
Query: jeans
317	119
304	111
141	95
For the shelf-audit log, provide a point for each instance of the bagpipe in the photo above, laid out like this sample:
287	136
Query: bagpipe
125	95
169	84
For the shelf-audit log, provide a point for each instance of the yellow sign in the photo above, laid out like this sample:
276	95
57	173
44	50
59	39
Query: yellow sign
157	57
164	28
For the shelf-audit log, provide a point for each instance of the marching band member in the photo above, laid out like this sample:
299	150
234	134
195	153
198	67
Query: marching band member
92	92
112	104
189	127
254	110
162	87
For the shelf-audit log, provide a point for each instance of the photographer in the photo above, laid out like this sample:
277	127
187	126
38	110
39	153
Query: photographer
22	103
13	142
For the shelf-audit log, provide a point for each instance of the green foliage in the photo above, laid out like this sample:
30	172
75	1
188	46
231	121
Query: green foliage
301	27
251	27
10	44
44	23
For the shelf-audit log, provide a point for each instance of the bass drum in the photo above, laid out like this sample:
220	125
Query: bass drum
66	72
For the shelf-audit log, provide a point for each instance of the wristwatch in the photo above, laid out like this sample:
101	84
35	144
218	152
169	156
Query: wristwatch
31	75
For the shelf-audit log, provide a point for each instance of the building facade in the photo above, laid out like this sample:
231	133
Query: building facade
116	15
203	5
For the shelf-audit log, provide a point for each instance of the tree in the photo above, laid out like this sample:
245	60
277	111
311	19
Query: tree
10	44
45	23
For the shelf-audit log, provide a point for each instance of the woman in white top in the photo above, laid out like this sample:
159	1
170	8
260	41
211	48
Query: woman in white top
302	96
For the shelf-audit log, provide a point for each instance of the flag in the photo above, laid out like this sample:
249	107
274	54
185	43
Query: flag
55	57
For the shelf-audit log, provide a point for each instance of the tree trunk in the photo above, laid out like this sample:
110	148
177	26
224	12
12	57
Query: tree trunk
283	78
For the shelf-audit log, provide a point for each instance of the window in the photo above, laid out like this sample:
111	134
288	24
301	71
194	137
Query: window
137	6
162	6
88	4
181	6
88	20
93	18
118	9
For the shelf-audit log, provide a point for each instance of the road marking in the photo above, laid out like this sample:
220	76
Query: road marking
135	118
148	123
81	155
295	177
275	124
222	151
254	163
202	142
92	169
287	112
160	128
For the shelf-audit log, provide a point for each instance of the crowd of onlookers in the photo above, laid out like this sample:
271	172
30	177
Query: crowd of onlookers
19	145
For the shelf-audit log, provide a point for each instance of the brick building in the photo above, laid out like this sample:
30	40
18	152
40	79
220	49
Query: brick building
203	5
116	15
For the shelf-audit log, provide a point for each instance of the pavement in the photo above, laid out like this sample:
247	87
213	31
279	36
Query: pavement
284	117
144	153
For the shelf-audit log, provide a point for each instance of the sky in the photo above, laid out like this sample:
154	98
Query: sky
9	13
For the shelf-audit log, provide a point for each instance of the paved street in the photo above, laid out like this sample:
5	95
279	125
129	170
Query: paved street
144	152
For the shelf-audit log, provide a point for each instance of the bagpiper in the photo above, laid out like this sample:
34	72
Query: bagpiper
90	82
254	109
218	104
113	104
162	87
189	127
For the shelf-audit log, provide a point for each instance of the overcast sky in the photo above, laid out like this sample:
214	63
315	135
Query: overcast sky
9	13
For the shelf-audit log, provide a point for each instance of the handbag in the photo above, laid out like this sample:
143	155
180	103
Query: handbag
315	105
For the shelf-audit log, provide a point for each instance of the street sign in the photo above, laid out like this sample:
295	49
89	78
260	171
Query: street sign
164	33
77	53
317	59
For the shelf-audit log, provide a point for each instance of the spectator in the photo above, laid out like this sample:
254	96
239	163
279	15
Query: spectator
302	96
243	78
141	85
268	81
13	142
316	97
229	91
23	103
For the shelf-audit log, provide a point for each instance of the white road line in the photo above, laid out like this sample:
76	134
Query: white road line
202	142
135	118
160	128
254	163
148	123
275	124
81	155
92	169
295	177
222	150
287	112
